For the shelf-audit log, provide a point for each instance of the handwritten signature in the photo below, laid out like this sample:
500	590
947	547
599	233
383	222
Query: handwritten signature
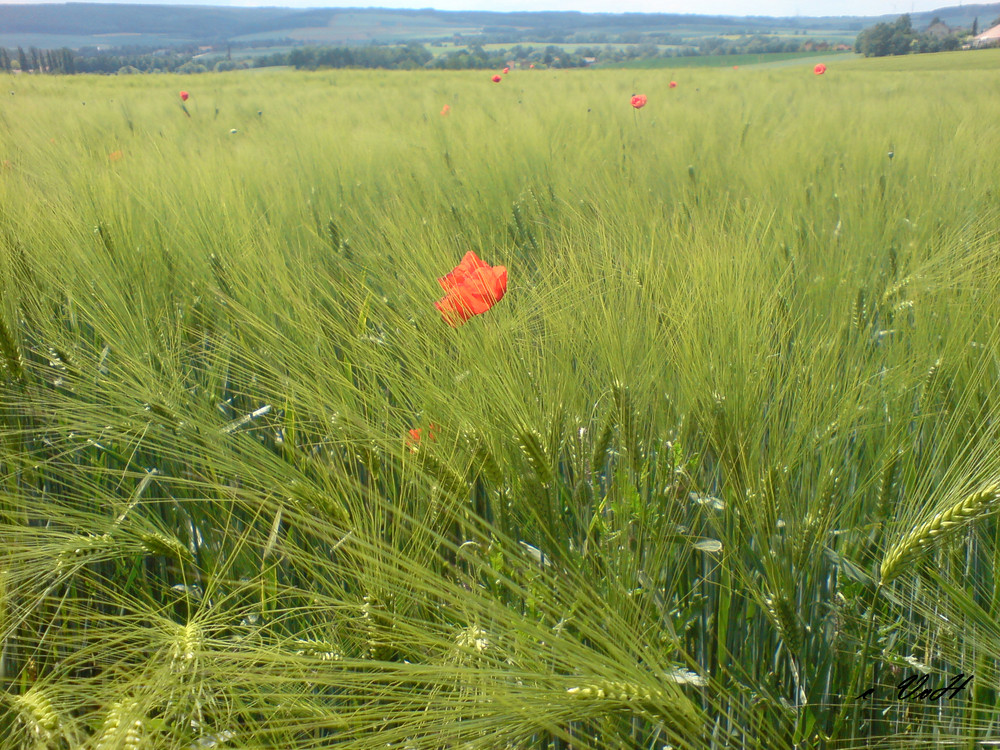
914	688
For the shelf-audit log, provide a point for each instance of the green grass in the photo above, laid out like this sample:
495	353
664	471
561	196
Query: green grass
446	47
744	358
723	61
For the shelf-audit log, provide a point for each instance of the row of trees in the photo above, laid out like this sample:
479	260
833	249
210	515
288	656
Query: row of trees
897	38
900	38
414	56
409	57
475	56
67	61
393	57
754	45
881	39
38	60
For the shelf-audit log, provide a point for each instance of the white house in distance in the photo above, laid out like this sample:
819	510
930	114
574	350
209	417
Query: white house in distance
989	38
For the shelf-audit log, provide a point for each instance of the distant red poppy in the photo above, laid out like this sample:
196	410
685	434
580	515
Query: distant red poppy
497	79
471	288
638	101
532	65
820	69
736	67
673	84
414	436
115	155
184	96
506	71
445	109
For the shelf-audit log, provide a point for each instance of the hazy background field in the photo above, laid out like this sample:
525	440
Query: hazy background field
722	458
84	37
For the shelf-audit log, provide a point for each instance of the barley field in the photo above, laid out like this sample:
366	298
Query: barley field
714	465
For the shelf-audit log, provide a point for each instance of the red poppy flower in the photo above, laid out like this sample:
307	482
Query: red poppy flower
820	69
673	84
462	273
506	71
184	96
497	79
445	110
638	101
736	67
471	288
532	65
417	433
414	435
115	155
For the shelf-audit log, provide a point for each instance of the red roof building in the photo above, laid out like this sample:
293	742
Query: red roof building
989	38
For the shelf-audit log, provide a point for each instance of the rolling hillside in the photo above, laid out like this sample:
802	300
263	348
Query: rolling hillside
77	25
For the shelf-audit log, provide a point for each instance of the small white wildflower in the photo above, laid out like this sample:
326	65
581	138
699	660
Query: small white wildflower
686	677
917	665
535	554
708	545
707	500
474	638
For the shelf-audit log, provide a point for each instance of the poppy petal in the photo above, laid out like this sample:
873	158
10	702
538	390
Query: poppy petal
472	288
453	312
462	271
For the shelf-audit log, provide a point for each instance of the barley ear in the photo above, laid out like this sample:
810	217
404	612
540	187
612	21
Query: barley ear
12	360
122	727
628	422
602	446
945	523
665	705
484	462
531	445
786	620
39	720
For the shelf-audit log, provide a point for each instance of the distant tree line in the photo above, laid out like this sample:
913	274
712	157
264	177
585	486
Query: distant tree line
66	61
754	45
899	38
56	61
408	57
191	59
414	56
310	58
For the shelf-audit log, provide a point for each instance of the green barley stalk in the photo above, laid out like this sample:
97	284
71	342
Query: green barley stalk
944	524
10	351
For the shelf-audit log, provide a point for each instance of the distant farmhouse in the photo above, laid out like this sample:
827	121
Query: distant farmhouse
989	38
938	29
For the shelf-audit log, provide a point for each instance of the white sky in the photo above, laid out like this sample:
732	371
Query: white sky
702	7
